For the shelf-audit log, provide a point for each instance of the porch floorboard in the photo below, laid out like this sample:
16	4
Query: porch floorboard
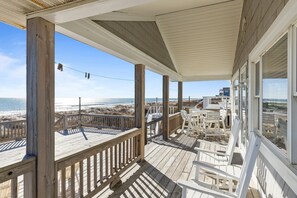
166	162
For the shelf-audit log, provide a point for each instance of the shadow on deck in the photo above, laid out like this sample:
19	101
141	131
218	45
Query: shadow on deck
165	163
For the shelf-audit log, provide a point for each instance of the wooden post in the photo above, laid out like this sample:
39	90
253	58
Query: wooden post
40	107
139	104
180	96
165	107
79	112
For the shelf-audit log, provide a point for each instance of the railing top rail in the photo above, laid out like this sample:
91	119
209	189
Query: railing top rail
13	121
17	164
173	115
154	121
106	115
17	169
68	160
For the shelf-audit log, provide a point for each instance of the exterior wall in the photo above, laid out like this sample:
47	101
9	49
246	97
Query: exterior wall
269	182
256	18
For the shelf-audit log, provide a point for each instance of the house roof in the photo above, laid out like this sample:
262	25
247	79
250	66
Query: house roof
187	40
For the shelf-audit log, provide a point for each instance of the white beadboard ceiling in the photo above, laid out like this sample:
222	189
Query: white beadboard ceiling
200	35
202	41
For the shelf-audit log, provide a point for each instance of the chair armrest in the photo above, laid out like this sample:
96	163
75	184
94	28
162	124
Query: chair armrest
213	168
213	143
196	187
209	151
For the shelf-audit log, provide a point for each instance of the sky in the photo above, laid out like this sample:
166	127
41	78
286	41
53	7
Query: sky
79	56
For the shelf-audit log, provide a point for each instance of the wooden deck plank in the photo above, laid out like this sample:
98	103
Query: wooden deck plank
165	162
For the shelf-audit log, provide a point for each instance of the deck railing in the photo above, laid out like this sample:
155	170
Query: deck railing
108	121
153	128
12	130
15	130
174	122
159	109
12	178
85	173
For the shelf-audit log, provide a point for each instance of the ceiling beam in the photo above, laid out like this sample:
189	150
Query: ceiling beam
83	9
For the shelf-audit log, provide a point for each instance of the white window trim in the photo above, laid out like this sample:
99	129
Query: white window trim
234	77
294	58
241	71
283	166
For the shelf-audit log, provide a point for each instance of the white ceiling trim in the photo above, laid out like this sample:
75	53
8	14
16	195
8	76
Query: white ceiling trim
122	16
89	32
82	9
168	49
206	78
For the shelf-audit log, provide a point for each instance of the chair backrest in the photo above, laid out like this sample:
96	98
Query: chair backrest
248	165
184	114
233	139
223	113
212	115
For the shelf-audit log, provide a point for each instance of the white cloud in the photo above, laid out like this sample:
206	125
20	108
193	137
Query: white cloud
6	61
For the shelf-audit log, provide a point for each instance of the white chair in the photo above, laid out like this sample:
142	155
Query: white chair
223	115
217	155
186	120
211	124
201	189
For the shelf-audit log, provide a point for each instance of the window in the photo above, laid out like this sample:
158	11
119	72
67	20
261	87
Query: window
257	95
243	103
236	95
257	80
275	93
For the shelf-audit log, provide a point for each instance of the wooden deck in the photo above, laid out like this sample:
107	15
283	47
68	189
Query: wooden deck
65	144
166	162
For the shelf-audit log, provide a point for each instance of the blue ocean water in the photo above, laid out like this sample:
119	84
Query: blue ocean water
12	106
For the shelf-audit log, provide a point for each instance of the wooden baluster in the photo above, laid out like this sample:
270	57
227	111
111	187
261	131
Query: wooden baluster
120	155
14	187
73	180
95	171
63	183
81	178
130	146
116	158
127	151
89	174
101	167
124	153
136	146
111	161
106	163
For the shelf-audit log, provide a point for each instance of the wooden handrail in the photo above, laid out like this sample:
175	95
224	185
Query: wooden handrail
174	122
97	166
13	171
11	130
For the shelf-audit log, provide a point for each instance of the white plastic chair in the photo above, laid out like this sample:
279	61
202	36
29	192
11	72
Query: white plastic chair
200	189
211	124
186	120
221	157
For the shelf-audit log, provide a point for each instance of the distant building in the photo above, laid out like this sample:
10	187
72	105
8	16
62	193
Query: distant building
225	91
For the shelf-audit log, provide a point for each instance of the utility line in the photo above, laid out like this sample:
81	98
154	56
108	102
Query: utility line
91	74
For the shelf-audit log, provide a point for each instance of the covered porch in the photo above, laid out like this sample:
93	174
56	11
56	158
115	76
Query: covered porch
188	41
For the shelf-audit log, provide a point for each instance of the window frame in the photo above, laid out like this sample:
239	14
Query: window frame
289	155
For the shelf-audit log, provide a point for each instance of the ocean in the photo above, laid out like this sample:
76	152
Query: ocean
17	106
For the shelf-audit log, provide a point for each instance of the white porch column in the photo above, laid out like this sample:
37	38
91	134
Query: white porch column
40	105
